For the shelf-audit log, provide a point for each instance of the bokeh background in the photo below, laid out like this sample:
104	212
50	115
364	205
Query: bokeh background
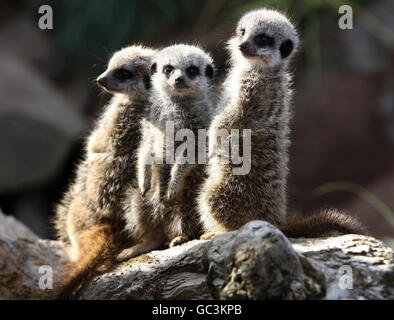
342	153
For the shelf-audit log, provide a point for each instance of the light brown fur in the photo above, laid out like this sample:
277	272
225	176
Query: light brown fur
256	96
90	216
164	207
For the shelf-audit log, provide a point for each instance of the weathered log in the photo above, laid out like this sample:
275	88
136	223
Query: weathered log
255	262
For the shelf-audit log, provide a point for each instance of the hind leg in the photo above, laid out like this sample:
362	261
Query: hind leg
138	249
74	234
79	220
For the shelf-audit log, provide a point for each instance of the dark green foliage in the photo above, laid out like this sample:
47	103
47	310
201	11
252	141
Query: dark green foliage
86	32
86	29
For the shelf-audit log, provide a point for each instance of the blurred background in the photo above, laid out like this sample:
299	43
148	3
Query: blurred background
342	152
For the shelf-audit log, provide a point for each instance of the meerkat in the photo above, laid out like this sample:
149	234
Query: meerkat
257	96
90	216
163	208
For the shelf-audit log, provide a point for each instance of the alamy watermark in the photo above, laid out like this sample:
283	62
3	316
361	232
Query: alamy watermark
46	20
345	282
46	280
224	145
346	20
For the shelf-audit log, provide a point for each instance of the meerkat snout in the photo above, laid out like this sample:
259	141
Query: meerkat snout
180	82
102	81
118	80
246	49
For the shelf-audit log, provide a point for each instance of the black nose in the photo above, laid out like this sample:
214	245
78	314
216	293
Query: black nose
244	46
102	82
180	80
247	50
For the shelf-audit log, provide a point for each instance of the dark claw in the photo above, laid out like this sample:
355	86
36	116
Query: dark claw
144	192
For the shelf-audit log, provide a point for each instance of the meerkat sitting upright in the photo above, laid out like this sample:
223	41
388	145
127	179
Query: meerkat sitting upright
164	207
90	216
257	96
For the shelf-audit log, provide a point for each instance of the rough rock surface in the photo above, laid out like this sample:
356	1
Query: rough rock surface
22	254
11	229
255	262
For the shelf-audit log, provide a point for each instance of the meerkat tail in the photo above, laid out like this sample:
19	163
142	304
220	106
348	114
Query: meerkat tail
323	223
97	255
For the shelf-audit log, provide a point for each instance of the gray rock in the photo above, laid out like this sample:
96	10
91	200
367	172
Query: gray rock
249	264
255	262
42	55
22	254
22	264
370	262
11	229
37	127
39	53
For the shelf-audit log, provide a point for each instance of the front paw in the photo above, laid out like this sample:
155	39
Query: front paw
177	241
170	196
125	254
172	191
144	188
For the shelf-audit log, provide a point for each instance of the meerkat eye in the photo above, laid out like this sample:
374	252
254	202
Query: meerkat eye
242	31
123	74
192	71
168	69
262	40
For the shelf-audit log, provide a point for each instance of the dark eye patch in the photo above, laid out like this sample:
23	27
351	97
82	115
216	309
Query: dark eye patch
242	31
168	69
153	68
123	74
192	71
209	71
146	80
262	40
286	48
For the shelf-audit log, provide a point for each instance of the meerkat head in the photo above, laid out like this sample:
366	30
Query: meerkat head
128	71
264	38
182	70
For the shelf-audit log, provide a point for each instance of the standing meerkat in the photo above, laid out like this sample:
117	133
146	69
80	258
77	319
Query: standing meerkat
257	96
90	216
164	206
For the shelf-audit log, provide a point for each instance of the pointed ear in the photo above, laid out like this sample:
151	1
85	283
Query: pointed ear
153	68
286	48
209	72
